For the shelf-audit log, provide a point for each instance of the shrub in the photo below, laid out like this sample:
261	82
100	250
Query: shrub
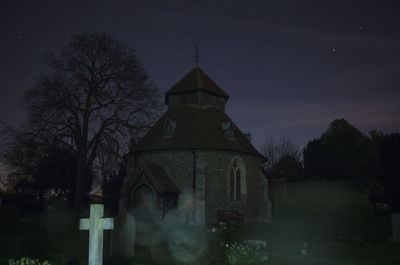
240	254
27	261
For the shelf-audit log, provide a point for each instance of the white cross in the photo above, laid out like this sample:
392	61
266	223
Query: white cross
96	225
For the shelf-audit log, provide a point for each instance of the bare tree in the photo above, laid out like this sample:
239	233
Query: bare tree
274	150
96	95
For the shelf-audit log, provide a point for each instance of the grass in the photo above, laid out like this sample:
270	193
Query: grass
335	220
45	236
332	217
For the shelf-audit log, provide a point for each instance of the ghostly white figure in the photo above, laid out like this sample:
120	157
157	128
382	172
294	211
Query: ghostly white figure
186	241
147	217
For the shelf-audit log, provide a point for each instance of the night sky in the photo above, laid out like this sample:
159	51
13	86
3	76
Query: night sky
290	67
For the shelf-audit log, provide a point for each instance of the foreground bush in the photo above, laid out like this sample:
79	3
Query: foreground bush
27	261
240	254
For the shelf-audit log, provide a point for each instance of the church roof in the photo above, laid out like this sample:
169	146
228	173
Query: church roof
160	179
156	174
196	80
196	128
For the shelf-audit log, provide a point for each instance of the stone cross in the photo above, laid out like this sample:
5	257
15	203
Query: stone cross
96	224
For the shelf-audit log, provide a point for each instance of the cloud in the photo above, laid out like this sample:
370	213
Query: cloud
313	115
305	121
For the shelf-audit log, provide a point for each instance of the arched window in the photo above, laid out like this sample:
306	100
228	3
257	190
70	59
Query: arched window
237	179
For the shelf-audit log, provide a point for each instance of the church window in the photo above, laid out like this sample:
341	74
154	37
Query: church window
227	127
237	179
210	99
169	127
231	185
238	185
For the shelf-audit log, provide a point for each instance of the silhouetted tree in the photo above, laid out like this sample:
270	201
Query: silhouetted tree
390	155
21	152
283	159
375	165
289	167
274	150
340	153
96	94
57	170
314	159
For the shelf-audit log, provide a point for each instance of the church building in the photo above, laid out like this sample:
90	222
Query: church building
196	148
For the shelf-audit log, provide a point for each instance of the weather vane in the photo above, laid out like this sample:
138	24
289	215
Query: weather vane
196	55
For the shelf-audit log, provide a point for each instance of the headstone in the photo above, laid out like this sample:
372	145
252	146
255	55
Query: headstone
264	256
123	236
96	224
256	244
304	250
396	227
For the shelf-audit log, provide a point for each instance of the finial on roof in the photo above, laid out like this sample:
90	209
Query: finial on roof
196	55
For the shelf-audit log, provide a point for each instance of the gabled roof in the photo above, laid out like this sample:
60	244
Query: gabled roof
196	80
159	179
3	187
196	128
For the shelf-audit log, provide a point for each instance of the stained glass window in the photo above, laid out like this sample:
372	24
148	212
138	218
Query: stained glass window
236	180
232	185
238	185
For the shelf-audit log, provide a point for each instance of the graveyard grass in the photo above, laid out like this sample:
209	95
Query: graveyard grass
337	223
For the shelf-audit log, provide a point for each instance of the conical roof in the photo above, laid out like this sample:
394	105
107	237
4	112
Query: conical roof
196	80
196	128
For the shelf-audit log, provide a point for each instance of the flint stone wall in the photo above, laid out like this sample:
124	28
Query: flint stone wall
255	205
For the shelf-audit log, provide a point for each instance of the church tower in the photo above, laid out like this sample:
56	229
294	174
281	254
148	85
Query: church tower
196	88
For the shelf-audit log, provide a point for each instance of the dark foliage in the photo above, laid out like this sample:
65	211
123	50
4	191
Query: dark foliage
390	154
313	156
58	171
283	159
289	167
342	152
112	188
371	161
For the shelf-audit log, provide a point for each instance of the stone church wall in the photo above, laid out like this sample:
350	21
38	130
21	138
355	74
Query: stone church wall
178	164
254	204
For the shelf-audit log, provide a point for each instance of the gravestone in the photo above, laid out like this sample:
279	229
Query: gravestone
396	227
256	244
304	250
123	236
96	224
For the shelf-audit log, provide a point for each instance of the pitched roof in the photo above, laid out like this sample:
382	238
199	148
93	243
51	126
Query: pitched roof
156	174
196	128
196	80
3	187
160	179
